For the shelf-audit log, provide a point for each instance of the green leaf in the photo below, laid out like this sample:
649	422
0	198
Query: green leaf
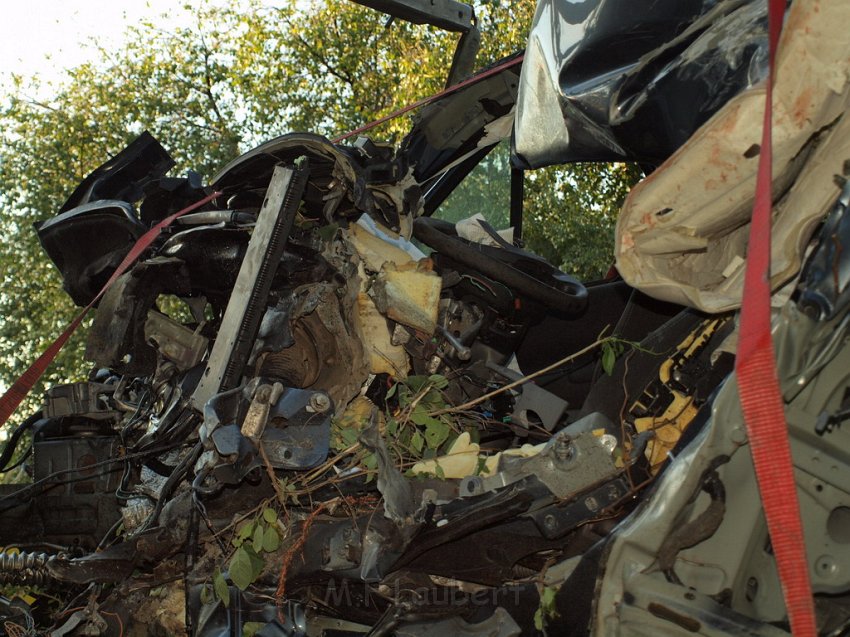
370	461
436	433
392	427
257	564
270	515
246	530
257	540
438	381
240	569
222	592
416	383
327	232
271	540
417	442
249	629
538	619
421	417
546	609
348	435
391	391
608	358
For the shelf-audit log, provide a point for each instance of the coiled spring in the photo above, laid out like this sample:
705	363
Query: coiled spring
23	568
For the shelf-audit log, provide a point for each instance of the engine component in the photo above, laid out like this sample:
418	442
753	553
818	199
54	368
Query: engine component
117	337
297	434
73	498
177	343
79	399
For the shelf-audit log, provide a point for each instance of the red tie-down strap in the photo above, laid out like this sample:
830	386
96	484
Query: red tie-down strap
21	387
761	399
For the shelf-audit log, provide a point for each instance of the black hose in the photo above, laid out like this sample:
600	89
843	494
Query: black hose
9	449
20	461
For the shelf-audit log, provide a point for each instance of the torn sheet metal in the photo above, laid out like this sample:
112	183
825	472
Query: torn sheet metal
682	233
398	495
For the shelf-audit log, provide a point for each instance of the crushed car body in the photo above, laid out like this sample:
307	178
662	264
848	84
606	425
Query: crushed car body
315	408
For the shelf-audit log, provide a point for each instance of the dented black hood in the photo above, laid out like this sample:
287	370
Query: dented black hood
612	80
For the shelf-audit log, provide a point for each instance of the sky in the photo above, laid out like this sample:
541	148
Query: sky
44	37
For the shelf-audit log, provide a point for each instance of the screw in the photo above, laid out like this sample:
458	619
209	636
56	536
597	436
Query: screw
320	402
550	522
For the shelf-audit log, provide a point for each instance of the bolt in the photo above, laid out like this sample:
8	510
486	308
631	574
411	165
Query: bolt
550	522
752	589
320	402
564	450
738	435
591	503
262	393
826	566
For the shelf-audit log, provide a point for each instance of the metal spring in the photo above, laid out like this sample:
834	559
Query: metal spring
23	568
521	572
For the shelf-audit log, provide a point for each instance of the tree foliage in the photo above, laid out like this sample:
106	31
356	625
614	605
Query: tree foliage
240	75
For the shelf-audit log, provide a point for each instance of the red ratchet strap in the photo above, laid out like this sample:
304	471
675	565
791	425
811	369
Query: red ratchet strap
761	399
19	390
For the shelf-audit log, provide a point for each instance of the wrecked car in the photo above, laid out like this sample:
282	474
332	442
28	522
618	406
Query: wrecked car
316	408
